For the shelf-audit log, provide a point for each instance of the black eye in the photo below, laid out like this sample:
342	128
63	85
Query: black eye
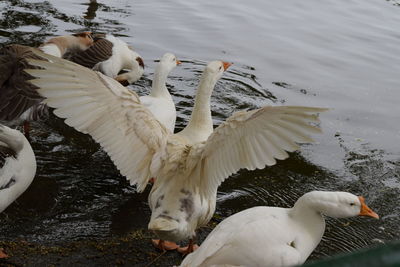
352	204
220	68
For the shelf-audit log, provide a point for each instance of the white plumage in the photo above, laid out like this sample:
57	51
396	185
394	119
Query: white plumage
18	165
160	102
123	57
188	166
273	237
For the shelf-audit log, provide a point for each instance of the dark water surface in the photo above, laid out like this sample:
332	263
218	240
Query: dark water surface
340	54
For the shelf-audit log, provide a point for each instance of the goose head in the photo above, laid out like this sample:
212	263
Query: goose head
84	39
214	70
211	74
135	70
168	62
339	204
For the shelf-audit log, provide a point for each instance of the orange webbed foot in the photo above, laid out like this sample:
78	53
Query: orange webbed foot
3	255
164	245
188	249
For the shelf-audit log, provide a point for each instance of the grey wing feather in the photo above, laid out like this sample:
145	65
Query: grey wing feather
16	94
100	51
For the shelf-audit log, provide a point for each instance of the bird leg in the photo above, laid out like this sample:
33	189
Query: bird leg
164	245
188	249
3	255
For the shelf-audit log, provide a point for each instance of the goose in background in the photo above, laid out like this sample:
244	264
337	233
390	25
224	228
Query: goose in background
160	102
60	45
19	101
17	167
188	166
110	55
271	236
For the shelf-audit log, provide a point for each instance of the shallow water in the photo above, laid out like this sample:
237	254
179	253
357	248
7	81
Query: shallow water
340	54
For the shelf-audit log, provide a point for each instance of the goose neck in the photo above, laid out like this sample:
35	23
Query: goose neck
201	115
317	202
159	87
12	138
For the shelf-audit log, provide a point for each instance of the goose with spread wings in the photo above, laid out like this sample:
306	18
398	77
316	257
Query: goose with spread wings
188	166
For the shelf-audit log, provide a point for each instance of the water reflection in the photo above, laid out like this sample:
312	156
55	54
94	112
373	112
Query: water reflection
20	14
91	10
394	2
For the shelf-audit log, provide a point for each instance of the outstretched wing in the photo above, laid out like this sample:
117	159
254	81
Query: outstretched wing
98	105
253	139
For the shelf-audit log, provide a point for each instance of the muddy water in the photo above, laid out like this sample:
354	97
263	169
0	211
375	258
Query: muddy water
339	54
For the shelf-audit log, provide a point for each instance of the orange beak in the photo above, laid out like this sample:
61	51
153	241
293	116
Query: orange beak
226	65
122	81
178	62
365	210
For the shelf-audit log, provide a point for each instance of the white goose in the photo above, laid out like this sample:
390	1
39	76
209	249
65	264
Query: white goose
19	100
160	102
110	55
271	236
17	167
188	169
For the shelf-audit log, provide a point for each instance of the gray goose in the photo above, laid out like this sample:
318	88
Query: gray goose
19	100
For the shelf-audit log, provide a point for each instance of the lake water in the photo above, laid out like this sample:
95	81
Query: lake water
340	54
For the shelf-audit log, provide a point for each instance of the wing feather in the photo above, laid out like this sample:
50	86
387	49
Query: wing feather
254	139
16	94
95	104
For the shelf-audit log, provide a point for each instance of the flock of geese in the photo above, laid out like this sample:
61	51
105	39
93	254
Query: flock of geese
82	78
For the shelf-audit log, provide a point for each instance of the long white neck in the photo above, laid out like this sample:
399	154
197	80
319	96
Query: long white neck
314	202
159	87
12	138
127	60
307	215
200	123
